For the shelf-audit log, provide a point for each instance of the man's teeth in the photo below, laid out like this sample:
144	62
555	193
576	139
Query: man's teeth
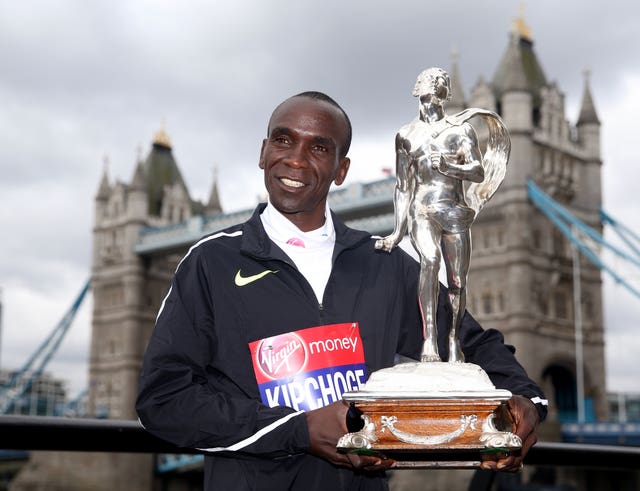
289	182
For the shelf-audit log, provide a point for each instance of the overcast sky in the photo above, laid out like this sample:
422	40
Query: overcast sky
81	80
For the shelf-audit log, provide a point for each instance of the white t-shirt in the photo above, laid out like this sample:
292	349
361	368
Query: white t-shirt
314	249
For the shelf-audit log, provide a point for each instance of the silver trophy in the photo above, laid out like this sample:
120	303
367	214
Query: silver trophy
436	155
426	409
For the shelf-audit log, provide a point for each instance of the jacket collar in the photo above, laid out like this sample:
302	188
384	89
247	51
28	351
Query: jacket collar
256	242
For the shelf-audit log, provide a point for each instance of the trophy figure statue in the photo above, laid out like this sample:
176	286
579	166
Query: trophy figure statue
435	155
430	414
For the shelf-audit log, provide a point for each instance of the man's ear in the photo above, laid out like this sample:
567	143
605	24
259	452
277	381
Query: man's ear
343	169
261	161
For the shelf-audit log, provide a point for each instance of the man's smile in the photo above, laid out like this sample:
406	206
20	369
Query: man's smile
291	183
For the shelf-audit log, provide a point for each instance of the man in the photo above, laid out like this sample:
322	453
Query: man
293	291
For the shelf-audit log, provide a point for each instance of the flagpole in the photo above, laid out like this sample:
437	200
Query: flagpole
577	316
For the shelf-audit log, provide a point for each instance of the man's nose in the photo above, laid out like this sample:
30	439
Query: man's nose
296	157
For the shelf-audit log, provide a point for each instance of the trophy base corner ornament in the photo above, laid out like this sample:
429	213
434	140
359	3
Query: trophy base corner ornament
442	415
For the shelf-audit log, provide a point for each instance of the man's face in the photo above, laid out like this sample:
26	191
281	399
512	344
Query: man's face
301	158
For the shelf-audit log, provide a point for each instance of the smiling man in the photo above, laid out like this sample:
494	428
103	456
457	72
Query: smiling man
234	367
305	152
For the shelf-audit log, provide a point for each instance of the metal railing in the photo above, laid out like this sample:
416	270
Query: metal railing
108	435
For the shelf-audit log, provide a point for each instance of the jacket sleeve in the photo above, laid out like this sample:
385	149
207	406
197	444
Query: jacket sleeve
183	399
487	349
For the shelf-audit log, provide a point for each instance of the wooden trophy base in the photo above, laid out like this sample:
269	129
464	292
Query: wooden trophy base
433	429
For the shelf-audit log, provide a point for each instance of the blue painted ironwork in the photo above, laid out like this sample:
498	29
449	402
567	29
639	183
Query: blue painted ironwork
602	433
569	225
76	407
172	462
23	378
627	235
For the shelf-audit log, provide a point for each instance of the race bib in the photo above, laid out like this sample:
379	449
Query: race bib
310	368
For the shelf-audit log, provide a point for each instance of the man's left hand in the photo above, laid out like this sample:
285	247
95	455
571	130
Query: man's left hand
526	418
326	425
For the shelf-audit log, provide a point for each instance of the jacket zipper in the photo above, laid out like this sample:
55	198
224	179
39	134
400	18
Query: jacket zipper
290	263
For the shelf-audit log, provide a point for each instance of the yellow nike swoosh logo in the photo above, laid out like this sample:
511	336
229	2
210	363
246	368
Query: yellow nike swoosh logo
245	280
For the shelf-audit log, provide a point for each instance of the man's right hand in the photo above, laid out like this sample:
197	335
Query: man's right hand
326	426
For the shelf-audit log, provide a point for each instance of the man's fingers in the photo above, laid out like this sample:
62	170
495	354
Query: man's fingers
526	420
370	463
528	442
379	464
510	463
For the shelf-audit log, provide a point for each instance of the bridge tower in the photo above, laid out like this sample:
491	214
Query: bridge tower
125	303
127	291
521	280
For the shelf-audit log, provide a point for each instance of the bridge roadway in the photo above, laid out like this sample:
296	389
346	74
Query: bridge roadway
353	202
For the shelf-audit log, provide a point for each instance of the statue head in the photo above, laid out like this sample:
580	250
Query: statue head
433	81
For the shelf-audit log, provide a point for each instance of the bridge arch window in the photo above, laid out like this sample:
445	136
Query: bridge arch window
562	305
500	302
487	303
486	239
559	244
564	392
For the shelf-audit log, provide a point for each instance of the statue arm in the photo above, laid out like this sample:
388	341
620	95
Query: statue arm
402	196
466	163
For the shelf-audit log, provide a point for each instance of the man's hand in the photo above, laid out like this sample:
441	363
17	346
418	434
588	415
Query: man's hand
387	243
326	426
525	416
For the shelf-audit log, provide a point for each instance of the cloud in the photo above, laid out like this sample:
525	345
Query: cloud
81	80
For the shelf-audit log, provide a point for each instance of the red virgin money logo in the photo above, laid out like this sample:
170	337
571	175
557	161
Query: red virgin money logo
282	356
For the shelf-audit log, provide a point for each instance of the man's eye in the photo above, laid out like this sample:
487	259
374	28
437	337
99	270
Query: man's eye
320	148
281	139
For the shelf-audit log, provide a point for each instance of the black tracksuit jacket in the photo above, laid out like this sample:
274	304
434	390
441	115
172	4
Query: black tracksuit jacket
198	388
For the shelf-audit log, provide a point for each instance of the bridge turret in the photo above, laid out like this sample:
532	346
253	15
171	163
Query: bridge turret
137	198
588	127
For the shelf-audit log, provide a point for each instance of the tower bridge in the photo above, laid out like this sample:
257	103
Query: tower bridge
522	280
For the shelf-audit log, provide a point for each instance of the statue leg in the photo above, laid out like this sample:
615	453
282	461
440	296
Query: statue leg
457	253
426	240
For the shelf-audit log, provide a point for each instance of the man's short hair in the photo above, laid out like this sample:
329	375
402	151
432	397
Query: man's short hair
321	96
